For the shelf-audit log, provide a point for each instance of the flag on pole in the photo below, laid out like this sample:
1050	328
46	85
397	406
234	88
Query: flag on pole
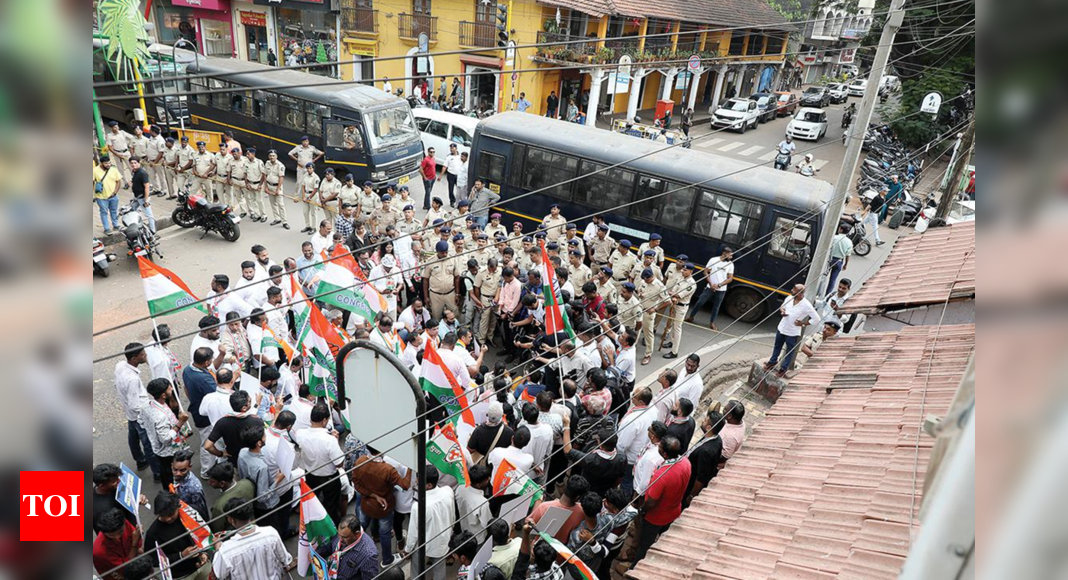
443	451
192	521
438	381
569	558
164	291
318	340
164	564
272	340
315	527
375	298
555	316
510	481
338	286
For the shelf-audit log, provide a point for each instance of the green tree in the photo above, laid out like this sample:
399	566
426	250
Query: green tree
123	25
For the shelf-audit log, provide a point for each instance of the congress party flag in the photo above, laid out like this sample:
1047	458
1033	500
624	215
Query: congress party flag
555	316
569	558
444	452
508	480
316	527
438	381
165	292
318	340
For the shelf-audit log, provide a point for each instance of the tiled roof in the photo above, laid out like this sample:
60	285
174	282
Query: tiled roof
752	13
824	486
923	269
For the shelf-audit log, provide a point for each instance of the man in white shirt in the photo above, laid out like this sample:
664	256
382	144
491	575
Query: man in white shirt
302	408
796	312
720	273
133	397
222	302
520	460
650	459
471	503
633	432
541	441
209	337
453	360
414	318
387	280
253	293
440	517
320	456
626	357
252	552
161	361
322	239
453	165
689	384
216	405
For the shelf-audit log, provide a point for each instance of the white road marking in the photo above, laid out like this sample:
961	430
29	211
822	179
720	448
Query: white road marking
767	156
711	142
750	151
731	146
819	163
181	232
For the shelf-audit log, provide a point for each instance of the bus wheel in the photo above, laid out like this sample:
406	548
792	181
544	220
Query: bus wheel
745	304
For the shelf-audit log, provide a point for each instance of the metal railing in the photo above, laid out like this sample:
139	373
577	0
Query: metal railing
359	19
480	34
412	25
566	51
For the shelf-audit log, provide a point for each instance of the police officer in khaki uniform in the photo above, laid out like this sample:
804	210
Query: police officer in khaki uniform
185	164
601	246
274	178
649	261
409	225
650	292
157	173
170	163
572	239
522	256
329	190
459	246
349	194
254	176
304	154
308	190
139	150
580	273
495	226
674	269
222	174
623	262
630	309
442	283
680	303
368	202
118	142
605	287
553	224
237	184
484	252
383	217
654	245
203	170
487	282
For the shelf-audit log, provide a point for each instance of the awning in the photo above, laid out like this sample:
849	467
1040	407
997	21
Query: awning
486	61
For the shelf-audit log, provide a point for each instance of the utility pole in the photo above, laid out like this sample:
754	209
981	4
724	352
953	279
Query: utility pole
949	192
852	155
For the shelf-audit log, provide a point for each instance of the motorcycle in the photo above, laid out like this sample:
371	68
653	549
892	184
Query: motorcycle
140	241
782	160
194	210
861	245
847	117
101	259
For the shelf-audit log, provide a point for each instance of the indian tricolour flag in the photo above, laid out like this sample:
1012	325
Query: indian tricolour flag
165	292
340	287
315	527
569	558
555	316
438	381
272	340
318	340
510	481
443	451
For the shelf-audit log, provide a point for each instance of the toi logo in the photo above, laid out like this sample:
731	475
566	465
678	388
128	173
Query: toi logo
51	506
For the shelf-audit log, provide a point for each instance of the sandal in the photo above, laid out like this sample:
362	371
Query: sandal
647	359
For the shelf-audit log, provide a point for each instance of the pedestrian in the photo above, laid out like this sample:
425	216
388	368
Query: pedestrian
272	58
105	482
320	456
118	144
308	189
796	312
387	86
329	190
351	555
156	145
222	477
440	510
253	465
223	158
522	104
253	552
304	154
255	174
117	543
274	173
238	199
873	215
203	170
733	431
687	121
428	171
374	480
603	469
681	424
841	249
665	121
576	487
133	397
681	293
442	282
650	458
663	498
706	456
894	190
719	273
633	432
140	186
572	111
184	164
552	105
471	504
453	167
167	432
106	181
482	198
651	293
168	532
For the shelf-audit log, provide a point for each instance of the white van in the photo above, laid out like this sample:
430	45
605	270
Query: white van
440	128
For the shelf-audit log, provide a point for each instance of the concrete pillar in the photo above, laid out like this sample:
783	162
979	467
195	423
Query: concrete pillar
636	76
669	82
695	81
717	93
596	77
739	77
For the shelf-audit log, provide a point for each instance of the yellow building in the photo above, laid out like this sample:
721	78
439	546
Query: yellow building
734	42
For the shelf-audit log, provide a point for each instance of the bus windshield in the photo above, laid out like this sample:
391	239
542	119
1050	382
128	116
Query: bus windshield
389	127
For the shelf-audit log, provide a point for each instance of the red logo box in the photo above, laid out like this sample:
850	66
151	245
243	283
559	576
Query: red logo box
52	506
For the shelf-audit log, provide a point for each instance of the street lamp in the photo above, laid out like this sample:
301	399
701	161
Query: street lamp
174	63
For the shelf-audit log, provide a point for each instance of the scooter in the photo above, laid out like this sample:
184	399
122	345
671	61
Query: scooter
847	117
140	241
782	160
101	259
861	245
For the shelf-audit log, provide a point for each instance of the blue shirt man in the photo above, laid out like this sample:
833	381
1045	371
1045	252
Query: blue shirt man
522	104
198	382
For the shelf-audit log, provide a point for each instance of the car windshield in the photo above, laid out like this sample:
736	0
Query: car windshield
961	211
388	127
762	101
737	105
813	91
810	116
784	98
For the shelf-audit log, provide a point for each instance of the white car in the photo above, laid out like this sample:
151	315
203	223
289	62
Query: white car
890	82
808	123
738	114
839	93
857	87
439	129
961	211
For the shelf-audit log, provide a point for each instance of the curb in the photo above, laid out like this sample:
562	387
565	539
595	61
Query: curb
115	238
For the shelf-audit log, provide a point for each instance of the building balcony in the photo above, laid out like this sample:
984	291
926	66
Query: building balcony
572	52
410	26
478	34
359	20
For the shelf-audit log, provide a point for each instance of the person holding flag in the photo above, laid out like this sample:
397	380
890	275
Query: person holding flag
253	552
444	383
173	542
316	528
556	319
352	554
165	292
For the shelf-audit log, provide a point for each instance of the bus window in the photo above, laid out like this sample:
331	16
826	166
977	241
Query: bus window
344	136
220	101
790	239
199	85
290	113
544	168
315	115
671	209
490	168
606	189
519	154
734	221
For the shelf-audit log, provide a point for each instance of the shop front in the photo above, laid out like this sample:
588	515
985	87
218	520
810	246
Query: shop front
254	28
483	83
306	32
207	24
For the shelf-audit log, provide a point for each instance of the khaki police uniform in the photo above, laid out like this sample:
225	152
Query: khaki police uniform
139	148
368	202
349	194
304	155
623	263
330	187
436	214
274	178
203	164
630	311
492	230
440	276
157	173
482	256
683	290
409	227
254	174
516	243
565	245
118	143
383	217
185	156
656	271
486	285
579	276
170	167
651	294
659	259
601	250
554	227
222	176
238	168
307	189
607	291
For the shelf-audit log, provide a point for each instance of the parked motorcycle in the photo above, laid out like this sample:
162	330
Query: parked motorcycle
101	259
861	245
194	210
782	160
140	241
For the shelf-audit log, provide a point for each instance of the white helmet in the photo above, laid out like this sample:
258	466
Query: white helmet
808	157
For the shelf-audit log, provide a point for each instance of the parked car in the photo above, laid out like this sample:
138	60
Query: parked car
839	93
439	129
766	105
818	97
857	87
850	70
890	82
961	211
808	123
737	114
787	103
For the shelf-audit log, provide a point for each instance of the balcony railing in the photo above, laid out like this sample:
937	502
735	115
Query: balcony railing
625	44
359	19
574	51
412	25
480	34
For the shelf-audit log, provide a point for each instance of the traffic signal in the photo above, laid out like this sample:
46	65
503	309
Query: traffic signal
502	26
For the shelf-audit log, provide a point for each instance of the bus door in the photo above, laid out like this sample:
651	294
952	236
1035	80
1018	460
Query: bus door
344	145
789	250
491	163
